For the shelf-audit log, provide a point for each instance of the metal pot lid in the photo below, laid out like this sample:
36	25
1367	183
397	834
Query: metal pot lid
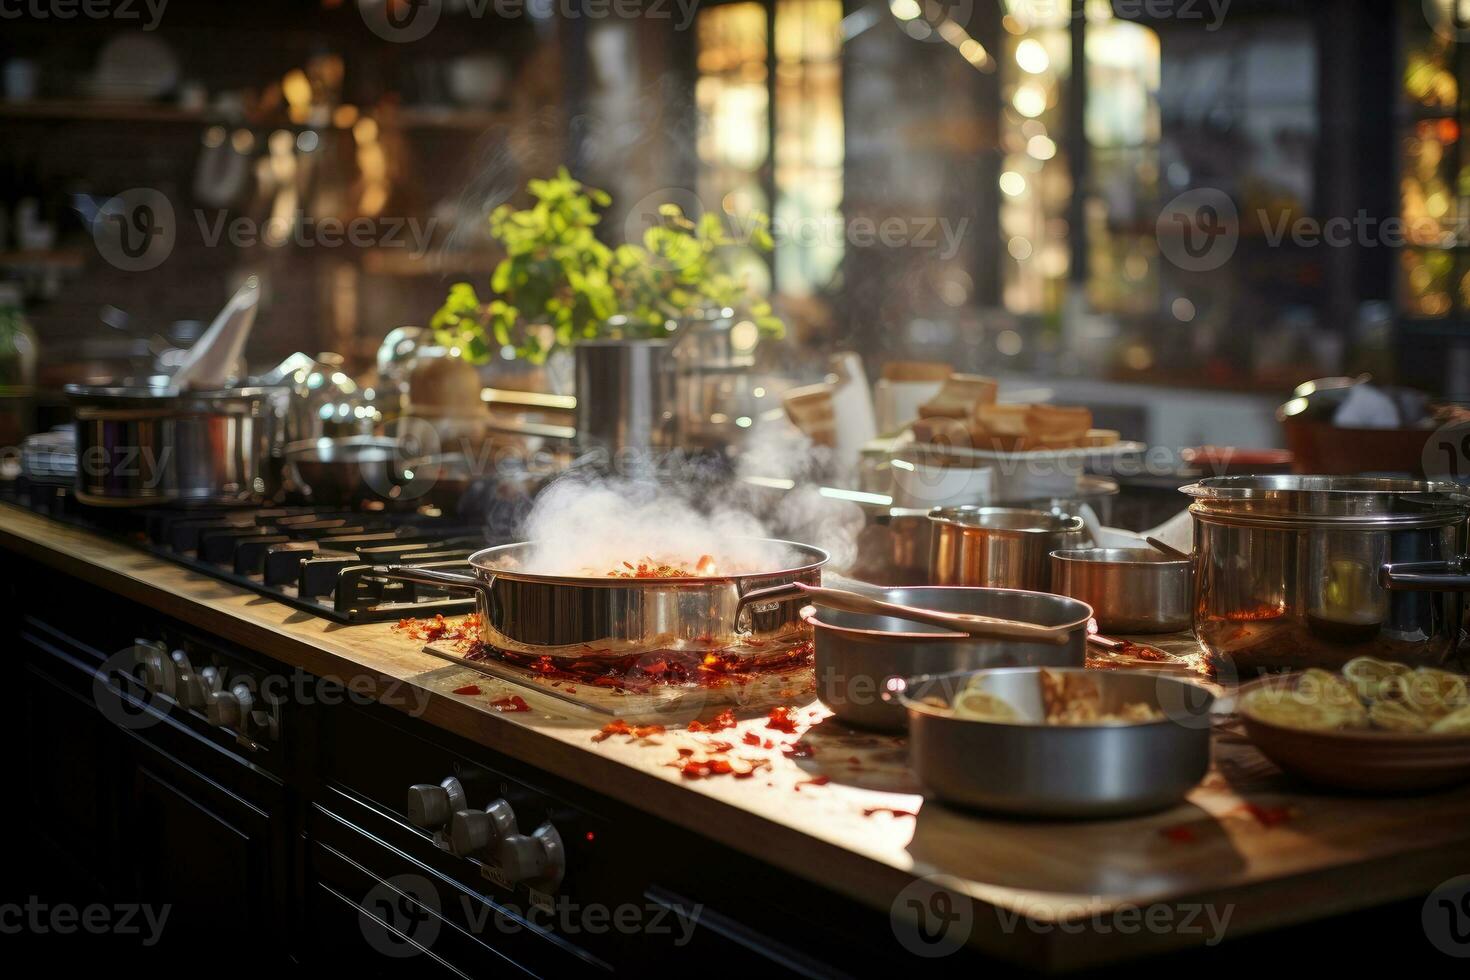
1310	499
145	396
1006	520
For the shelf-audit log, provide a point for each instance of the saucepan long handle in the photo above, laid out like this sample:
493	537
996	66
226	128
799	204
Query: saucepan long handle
431	576
1425	576
980	627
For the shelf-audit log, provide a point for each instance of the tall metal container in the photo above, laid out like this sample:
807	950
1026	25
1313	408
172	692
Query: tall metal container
624	395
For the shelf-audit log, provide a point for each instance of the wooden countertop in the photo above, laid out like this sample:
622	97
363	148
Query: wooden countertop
1248	844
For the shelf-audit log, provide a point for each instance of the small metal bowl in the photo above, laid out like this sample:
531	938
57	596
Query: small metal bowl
1031	768
1131	590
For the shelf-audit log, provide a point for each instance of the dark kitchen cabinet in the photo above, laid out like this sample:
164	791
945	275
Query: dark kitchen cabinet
65	771
200	850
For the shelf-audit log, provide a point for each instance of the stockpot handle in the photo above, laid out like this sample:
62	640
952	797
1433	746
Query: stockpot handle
1425	576
430	576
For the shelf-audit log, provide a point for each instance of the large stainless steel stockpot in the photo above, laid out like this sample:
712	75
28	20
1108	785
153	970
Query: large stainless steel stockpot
1131	590
589	616
1289	570
140	446
998	547
861	659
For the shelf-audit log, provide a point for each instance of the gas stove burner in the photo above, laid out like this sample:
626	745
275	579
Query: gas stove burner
318	559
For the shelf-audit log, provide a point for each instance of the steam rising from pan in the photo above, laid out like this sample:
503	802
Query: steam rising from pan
583	526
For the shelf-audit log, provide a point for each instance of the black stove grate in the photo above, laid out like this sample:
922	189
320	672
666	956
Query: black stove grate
316	559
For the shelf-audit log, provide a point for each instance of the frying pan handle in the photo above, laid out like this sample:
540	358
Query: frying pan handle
430	576
1425	576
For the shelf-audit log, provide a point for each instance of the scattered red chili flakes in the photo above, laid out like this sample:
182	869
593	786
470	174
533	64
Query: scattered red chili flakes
466	630
511	702
750	738
814	781
1266	816
894	812
780	719
620	727
648	671
691	768
725	719
1182	834
720	746
468	689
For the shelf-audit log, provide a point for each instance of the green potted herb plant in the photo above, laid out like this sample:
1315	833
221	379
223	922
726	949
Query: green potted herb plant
616	306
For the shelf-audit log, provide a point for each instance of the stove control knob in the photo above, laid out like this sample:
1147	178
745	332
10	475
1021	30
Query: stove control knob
181	683
474	832
231	708
430	806
538	860
152	666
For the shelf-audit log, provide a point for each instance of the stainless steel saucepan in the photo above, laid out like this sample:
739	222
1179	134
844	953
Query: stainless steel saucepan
862	657
1132	590
612	617
998	547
